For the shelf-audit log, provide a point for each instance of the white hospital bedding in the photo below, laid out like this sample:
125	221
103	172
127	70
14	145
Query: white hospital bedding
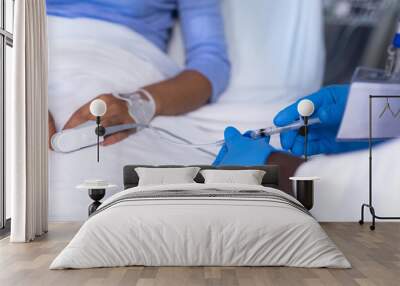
84	64
187	227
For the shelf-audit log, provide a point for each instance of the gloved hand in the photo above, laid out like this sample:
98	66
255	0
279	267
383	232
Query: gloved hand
329	103
243	150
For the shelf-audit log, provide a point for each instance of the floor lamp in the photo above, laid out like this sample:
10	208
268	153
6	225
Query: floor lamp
370	139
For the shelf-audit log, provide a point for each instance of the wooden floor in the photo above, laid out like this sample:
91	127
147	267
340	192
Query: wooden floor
375	257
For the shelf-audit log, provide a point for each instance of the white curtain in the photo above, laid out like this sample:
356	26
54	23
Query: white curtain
26	119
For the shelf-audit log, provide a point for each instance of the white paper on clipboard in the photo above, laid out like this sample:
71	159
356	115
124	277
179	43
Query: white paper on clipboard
385	112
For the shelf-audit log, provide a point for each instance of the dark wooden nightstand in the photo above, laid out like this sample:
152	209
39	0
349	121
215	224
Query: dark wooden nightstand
96	190
305	190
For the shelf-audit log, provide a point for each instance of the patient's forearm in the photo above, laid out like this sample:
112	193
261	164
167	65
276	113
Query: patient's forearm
185	92
288	165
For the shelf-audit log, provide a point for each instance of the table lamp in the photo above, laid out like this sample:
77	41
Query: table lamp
98	108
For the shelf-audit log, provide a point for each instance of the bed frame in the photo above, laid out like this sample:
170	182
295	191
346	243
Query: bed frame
270	179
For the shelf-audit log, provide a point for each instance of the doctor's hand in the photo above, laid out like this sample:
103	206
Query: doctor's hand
243	150
117	113
329	103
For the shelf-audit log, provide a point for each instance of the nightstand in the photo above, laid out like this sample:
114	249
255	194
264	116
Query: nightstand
305	190
96	190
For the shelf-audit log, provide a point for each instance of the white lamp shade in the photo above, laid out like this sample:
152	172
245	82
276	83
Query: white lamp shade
98	107
305	107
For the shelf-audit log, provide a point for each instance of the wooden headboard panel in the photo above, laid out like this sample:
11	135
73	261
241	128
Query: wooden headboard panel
271	177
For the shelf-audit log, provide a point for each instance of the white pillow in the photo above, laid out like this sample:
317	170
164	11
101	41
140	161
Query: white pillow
247	177
166	176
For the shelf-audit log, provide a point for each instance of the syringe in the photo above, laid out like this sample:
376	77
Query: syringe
268	131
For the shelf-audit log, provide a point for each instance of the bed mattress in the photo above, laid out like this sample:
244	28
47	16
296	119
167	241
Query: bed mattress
198	225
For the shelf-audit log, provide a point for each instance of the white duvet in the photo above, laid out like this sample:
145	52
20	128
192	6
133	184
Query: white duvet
200	231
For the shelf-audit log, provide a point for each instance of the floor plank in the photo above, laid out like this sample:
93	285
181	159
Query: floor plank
375	257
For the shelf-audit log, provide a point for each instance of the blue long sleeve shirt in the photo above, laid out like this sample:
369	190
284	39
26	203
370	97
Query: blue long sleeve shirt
201	23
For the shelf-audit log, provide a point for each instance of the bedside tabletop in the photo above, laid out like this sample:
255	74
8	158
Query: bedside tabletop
305	190
304	178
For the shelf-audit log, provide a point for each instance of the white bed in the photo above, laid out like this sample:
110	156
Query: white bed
182	225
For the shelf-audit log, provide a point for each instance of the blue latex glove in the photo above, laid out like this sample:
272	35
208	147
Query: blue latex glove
243	150
329	105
